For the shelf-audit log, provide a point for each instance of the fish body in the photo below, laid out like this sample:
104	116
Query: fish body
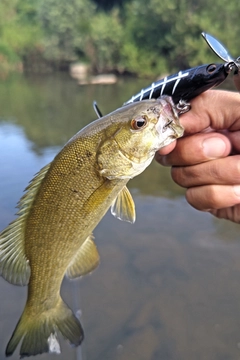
52	236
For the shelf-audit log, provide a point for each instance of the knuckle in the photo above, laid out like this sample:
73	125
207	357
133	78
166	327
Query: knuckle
236	172
225	171
187	176
192	198
213	169
204	197
212	197
178	175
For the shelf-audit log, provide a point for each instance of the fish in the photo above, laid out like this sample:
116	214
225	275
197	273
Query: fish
53	233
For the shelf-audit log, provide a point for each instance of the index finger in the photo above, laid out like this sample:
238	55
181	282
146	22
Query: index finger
217	109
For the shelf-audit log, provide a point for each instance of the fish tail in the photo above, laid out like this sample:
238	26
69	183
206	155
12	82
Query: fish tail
39	333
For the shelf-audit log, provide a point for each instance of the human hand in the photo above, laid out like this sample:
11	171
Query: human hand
206	160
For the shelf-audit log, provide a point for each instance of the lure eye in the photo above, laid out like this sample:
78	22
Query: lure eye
211	68
139	122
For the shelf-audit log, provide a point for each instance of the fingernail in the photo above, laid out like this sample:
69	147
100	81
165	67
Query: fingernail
214	147
236	189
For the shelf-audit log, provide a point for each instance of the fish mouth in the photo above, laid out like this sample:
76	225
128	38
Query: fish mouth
168	126
168	131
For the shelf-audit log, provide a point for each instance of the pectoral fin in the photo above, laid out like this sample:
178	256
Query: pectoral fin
123	207
86	259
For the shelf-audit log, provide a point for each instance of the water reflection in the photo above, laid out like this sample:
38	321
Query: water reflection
168	286
53	108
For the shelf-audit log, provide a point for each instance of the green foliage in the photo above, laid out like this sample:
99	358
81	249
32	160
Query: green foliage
65	25
169	31
18	28
107	5
19	33
140	62
103	44
124	36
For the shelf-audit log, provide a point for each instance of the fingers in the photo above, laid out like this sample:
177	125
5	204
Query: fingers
213	197
234	138
201	161
195	149
224	171
214	108
232	213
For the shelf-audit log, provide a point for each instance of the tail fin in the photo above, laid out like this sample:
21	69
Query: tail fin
40	333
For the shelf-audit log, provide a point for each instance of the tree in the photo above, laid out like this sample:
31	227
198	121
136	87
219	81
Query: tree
65	25
103	44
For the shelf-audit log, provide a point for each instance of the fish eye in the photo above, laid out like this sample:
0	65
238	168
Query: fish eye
211	68
139	122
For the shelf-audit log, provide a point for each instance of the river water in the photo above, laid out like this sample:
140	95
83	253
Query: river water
168	287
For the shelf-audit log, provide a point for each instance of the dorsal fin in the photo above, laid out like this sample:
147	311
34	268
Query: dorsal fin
85	260
14	266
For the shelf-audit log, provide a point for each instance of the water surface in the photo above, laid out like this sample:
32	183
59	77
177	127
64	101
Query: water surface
168	286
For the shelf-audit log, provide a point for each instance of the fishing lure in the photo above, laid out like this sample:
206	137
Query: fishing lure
187	84
231	64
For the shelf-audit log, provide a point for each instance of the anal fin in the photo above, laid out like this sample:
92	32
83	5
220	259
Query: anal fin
86	259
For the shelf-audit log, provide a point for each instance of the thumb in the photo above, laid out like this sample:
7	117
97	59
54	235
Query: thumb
217	109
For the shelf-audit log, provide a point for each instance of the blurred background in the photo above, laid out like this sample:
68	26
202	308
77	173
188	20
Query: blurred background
121	36
168	286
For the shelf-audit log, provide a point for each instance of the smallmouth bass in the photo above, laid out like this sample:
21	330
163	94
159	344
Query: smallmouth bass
52	236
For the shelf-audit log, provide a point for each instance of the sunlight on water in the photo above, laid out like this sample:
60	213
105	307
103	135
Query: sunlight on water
167	287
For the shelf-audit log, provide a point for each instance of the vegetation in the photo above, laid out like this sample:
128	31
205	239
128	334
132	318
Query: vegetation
123	36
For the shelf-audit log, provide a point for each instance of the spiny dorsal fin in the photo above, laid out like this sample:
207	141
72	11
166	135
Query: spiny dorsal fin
123	207
14	266
85	260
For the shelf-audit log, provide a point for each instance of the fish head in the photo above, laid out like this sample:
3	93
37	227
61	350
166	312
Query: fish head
136	132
